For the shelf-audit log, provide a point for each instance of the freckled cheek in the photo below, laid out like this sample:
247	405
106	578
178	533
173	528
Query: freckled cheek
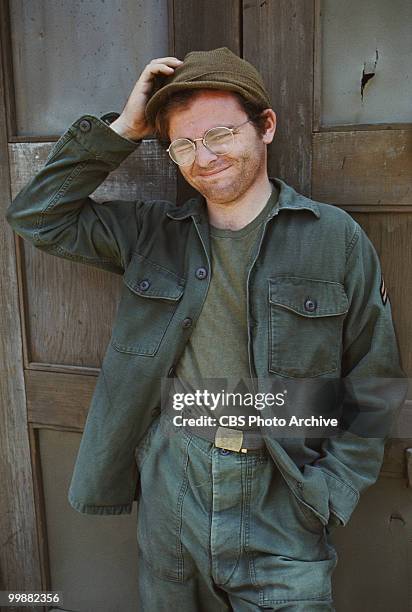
186	172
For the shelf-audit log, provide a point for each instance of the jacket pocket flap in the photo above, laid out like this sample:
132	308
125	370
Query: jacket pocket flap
308	297
147	279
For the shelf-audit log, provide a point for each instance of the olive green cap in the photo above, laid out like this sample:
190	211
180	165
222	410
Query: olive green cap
216	69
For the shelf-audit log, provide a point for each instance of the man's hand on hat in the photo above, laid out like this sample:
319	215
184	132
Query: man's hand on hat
132	122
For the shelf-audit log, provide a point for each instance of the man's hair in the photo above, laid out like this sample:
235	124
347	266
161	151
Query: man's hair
180	99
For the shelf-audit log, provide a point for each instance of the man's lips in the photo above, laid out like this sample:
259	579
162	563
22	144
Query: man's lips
214	172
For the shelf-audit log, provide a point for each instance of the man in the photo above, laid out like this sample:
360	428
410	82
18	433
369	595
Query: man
248	281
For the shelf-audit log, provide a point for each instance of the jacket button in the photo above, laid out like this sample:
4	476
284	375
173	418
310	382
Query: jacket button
310	305
201	273
187	322
144	285
85	125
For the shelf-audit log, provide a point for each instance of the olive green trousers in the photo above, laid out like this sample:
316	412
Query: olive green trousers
219	531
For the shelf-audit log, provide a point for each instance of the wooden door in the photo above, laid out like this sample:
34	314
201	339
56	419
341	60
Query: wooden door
52	342
339	79
61	60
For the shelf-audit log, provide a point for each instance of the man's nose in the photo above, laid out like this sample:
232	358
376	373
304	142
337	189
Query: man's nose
204	155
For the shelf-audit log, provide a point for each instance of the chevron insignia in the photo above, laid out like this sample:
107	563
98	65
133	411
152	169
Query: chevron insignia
382	289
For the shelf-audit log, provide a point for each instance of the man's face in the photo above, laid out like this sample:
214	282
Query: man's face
221	179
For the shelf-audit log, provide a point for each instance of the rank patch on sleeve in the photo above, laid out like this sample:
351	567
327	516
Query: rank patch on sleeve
384	295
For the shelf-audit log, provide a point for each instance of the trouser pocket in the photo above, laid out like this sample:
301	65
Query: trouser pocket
290	558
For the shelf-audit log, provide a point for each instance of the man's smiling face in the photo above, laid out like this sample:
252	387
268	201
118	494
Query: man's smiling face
225	178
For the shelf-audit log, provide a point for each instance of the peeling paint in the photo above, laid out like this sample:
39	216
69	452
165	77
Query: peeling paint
369	71
397	517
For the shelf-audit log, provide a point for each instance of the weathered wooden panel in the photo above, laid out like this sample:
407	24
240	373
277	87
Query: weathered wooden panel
374	37
200	26
19	555
374	572
40	509
69	310
6	54
86	56
394	463
278	40
391	236
367	167
147	173
93	559
70	307
58	400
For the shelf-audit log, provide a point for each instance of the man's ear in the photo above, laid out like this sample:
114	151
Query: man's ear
270	116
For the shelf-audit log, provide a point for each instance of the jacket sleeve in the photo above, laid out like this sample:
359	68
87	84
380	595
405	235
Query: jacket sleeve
55	213
374	384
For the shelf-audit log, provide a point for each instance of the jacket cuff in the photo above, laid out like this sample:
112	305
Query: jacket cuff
102	510
343	499
98	138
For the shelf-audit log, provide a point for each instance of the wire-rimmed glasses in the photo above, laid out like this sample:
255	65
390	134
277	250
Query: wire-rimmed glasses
218	140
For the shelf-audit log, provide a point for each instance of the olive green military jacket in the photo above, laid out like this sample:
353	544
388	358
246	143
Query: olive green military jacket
316	309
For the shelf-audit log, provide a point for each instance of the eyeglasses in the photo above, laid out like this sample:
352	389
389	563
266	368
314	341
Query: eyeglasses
219	141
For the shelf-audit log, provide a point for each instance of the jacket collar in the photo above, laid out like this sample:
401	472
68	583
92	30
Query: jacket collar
288	199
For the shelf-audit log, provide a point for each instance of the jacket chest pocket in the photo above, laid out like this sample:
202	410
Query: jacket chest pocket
305	326
149	300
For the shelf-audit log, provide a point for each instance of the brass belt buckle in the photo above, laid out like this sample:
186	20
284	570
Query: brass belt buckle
230	439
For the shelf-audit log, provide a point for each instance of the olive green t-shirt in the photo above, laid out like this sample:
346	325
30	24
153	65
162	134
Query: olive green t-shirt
218	346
